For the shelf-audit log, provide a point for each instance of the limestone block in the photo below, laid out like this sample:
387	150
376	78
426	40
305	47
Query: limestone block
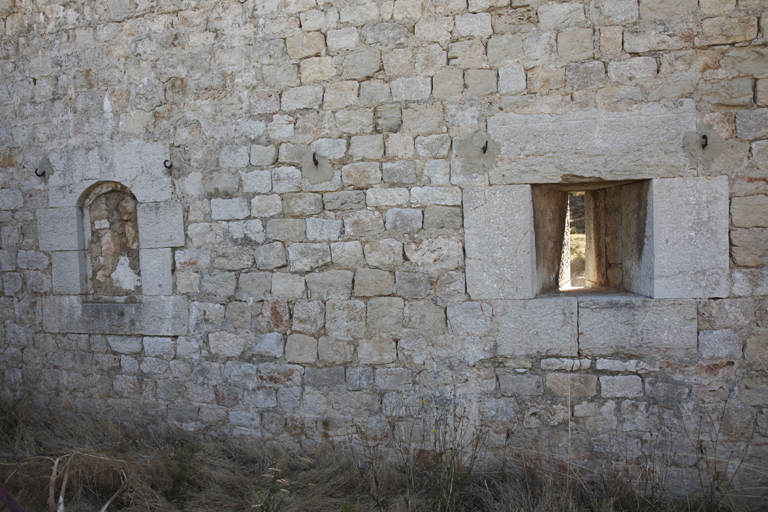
372	282
359	378
448	83
411	89
569	384
633	326
302	204
512	80
467	54
305	44
749	211
611	39
229	209
469	318
332	284
688	260
309	317
544	79
541	327
500	260
384	253
305	96
434	29
324	377
286	179
385	34
723	344
398	62
422	119
323	229
334	351
270	256
586	74
386	197
344	319
263	155
446	196
375	350
438	172
413	285
360	64
370	147
727	94
425	316
389	119
394	379
58	229
643	143
520	385
505	50
553	16
31	260
300	348
253	285
385	314
752	124
473	25
726	30
434	254
621	386
660	9
234	156
350	122
400	172
613	12
761	93
748	247
715	7
647	37
266	206
68	272
156	275
347	254
480	82
305	257
575	44
317	69
287	286
125	344
633	68
403	220
359	14
429	60
346	199
399	146
343	39
363	224
286	230
161	225
259	182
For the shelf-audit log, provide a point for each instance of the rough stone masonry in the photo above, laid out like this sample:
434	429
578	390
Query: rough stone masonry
339	218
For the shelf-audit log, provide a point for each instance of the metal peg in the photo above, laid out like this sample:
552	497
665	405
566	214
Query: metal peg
167	164
704	141
485	147
314	159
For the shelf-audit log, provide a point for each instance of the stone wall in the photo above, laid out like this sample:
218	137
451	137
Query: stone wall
341	230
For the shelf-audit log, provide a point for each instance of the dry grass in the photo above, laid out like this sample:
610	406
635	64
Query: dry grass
161	469
578	250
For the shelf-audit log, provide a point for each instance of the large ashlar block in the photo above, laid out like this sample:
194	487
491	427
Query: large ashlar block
161	225
58	229
690	237
499	242
68	272
539	327
641	144
156	277
154	316
633	326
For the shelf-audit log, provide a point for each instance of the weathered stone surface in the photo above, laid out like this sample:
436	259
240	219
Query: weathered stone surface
575	44
724	30
287	286
752	124
633	68
621	386
554	16
384	253
372	282
583	75
403	220
572	385
375	350
229	209
613	12
644	37
344	200
270	344
748	247
499	254
385	314
469	318
520	385
721	344
332	284
300	348
225	344
363	223
306	96
643	143
287	230
615	325
344	319
386	196
689	262
446	196
304	257
161	225
727	94
512	80
659	9
537	327
253	285
750	211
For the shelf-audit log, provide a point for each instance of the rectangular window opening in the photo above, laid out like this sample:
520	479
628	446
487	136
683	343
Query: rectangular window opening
573	259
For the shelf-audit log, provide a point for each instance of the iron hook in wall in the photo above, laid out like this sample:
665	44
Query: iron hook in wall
485	147
314	159
704	141
167	164
39	173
